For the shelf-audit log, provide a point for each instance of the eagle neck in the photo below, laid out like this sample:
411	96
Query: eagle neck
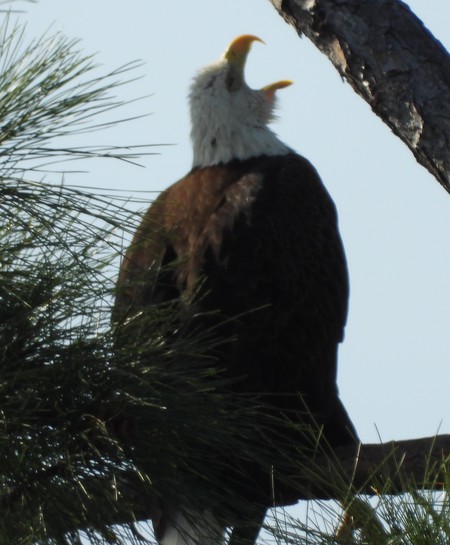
222	144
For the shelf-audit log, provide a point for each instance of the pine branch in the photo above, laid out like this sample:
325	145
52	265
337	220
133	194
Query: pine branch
56	284
392	61
392	468
47	93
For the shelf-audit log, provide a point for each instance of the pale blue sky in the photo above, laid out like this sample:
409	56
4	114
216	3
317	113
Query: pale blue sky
395	218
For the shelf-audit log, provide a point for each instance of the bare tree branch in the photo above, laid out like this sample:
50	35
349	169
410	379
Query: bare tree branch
392	61
393	468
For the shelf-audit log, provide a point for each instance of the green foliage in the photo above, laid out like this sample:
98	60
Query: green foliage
47	92
56	282
415	518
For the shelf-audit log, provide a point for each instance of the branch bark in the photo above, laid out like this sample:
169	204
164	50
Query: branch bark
386	468
395	467
392	61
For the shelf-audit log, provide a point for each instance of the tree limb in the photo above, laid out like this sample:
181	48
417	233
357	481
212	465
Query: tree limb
395	467
392	61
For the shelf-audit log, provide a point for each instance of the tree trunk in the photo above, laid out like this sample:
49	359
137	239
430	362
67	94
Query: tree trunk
390	59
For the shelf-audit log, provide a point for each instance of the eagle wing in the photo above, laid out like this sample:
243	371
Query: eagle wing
260	238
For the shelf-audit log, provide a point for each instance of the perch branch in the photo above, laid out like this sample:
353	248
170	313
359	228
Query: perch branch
373	469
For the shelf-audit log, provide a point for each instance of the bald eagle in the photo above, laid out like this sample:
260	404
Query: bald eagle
252	237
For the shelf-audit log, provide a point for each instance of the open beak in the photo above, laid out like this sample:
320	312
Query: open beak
272	87
237	53
238	50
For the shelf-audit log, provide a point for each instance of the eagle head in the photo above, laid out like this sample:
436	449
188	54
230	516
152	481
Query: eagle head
229	119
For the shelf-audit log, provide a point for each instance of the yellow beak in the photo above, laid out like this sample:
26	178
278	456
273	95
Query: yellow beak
272	87
237	53
238	50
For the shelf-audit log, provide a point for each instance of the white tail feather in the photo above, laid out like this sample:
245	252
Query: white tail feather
193	529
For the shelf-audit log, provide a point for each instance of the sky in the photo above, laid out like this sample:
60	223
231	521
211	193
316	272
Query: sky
394	372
